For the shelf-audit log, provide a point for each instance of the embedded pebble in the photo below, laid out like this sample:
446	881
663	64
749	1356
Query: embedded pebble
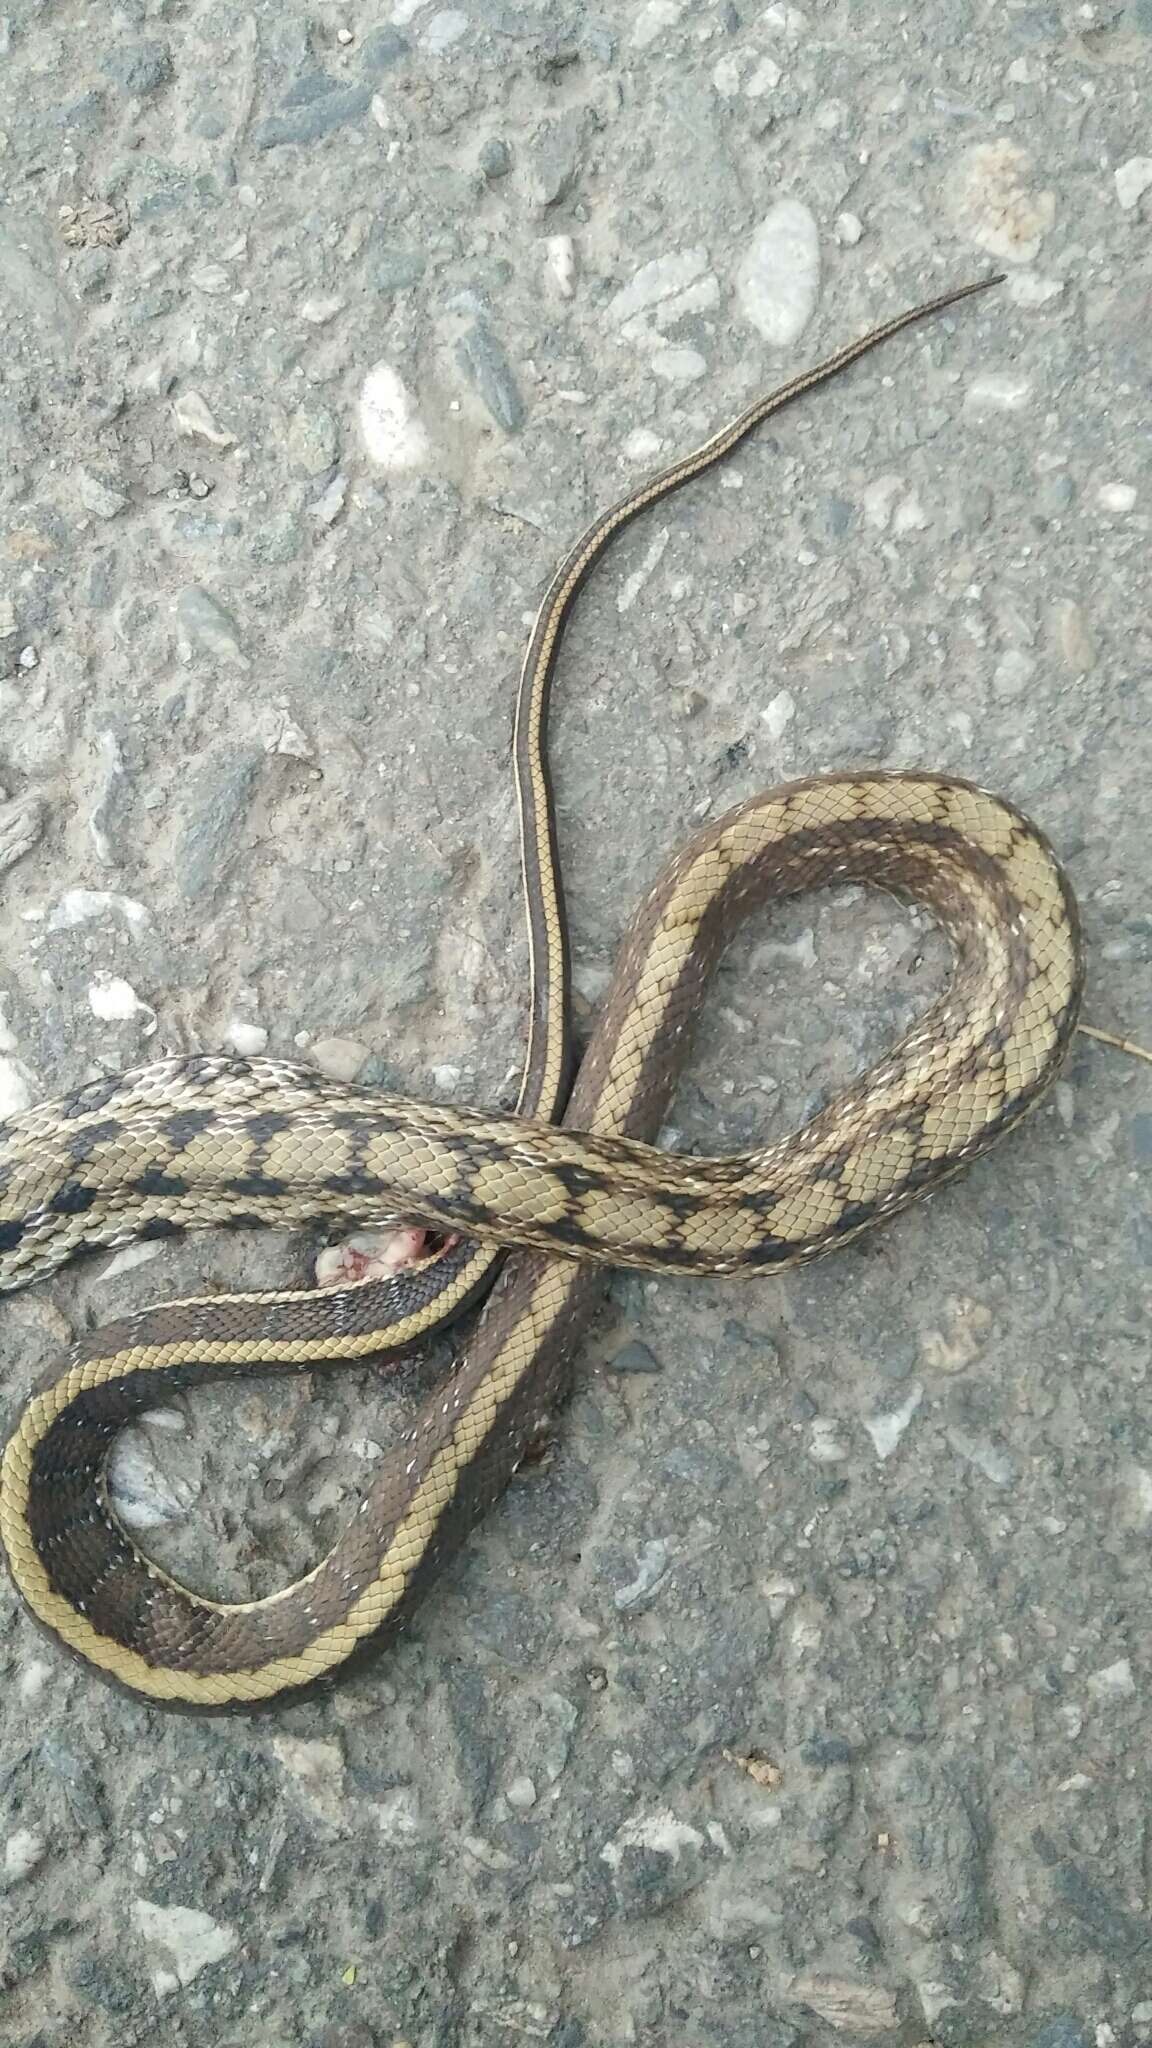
114	1001
654	1566
316	1767
318	312
340	1058
246	1038
312	440
392	431
778	713
826	1445
998	391
886	1430
145	1492
992	201
444	29
79	906
997	1465
1026	288
111	785
652	17
634	1357
665	277
1117	497
23	1851
1114	1682
859	2008
679	365
98	497
22	821
398	1815
561	254
194	420
183	1940
1073	636
778	276
314	120
485	364
213	806
326	509
207	628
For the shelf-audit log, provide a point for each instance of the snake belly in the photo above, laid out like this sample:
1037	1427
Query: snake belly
187	1143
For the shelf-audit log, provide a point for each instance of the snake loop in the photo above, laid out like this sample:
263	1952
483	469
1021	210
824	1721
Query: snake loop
183	1144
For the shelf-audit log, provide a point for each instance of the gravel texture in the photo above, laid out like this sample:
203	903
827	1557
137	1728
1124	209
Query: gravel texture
802	1695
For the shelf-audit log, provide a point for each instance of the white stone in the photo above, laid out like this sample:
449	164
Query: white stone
22	1852
849	229
1116	497
655	281
679	365
521	1794
1114	1682
886	1430
114	1000
652	19
1132	180
998	391
827	1447
560	251
1027	289
318	312
16	1091
398	1814
444	29
187	1940
143	1494
246	1038
77	906
194	420
661	1832
778	714
392	431
778	277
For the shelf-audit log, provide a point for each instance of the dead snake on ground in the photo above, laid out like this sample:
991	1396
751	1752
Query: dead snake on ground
188	1143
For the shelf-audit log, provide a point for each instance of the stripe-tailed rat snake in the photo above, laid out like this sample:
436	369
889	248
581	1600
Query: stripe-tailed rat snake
191	1142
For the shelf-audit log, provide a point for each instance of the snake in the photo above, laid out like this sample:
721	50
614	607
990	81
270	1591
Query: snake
530	1205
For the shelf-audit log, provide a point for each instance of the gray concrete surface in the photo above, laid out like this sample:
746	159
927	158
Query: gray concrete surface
803	1695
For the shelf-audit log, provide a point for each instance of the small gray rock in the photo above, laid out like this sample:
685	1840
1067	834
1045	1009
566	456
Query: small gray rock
495	159
312	443
139	68
98	497
311	123
206	625
21	825
486	366
634	1357
1062	2031
397	270
381	48
215	805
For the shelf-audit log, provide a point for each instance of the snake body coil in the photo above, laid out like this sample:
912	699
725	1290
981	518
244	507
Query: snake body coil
192	1142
